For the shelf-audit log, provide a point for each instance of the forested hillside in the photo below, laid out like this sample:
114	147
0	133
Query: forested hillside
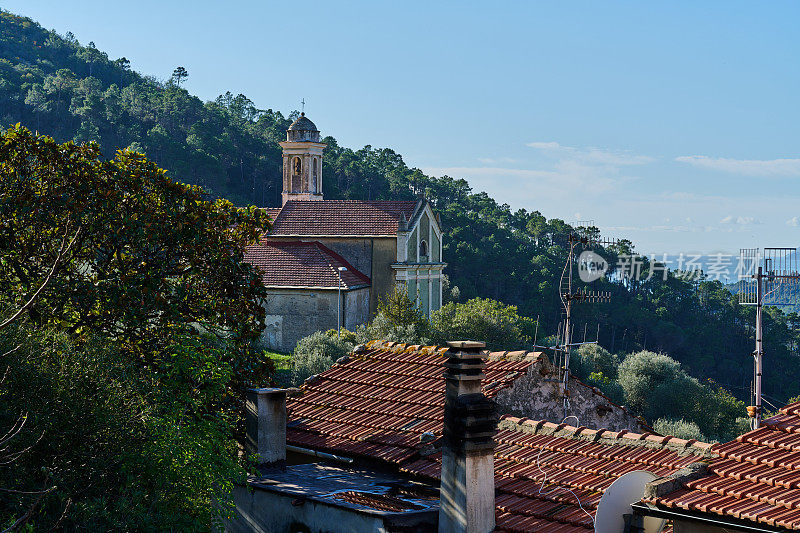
53	84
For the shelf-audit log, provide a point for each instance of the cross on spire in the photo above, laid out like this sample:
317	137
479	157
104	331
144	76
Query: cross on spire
303	102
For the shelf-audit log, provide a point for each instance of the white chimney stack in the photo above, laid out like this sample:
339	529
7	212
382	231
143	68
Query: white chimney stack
266	425
466	495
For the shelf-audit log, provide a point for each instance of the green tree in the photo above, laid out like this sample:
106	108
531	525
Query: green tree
179	74
498	325
134	352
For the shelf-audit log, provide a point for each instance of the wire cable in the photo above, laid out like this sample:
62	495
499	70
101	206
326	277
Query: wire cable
544	480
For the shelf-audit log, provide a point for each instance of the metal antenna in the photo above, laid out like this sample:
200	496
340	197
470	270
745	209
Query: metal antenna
569	294
768	279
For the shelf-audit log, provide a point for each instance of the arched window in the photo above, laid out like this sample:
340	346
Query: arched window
315	168
297	165
423	250
314	178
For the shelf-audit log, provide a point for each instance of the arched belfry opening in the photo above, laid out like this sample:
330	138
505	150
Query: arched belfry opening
302	161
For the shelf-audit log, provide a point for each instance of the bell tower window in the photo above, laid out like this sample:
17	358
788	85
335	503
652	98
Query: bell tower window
297	165
423	251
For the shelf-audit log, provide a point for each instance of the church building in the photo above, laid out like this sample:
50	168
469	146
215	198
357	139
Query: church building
327	262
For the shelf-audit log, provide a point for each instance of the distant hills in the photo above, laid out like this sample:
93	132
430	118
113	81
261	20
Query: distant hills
54	84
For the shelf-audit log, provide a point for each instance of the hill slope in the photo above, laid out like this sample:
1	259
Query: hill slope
53	84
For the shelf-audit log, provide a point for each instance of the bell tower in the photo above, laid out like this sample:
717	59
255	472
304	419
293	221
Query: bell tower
302	161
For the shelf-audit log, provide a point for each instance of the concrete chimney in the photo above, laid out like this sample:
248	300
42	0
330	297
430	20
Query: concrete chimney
466	495
266	425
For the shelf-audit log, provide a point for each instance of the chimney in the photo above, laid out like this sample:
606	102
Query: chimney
266	425
466	495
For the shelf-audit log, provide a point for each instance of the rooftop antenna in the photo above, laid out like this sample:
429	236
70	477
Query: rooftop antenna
591	266
768	278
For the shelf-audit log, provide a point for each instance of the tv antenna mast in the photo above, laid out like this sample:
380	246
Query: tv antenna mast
591	266
770	278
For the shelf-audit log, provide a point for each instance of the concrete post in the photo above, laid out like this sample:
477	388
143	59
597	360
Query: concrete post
466	494
266	425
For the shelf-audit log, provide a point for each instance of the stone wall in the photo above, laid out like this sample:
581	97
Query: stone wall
296	313
537	395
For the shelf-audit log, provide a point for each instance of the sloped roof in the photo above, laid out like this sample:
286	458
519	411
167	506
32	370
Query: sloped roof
757	477
379	405
335	218
302	264
550	477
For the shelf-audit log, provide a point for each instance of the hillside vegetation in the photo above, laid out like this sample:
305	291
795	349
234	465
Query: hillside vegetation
54	84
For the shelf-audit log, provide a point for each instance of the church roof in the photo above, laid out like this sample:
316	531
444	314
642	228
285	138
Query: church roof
341	218
302	264
303	124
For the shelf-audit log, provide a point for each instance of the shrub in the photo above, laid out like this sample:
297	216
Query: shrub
590	358
679	428
384	329
480	319
397	320
317	353
641	372
610	388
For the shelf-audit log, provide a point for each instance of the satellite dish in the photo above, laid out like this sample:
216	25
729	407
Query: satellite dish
616	502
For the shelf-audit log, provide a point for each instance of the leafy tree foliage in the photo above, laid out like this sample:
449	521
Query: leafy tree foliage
490	321
317	353
228	146
130	366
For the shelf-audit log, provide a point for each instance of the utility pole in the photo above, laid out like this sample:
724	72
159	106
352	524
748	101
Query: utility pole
339	302
759	353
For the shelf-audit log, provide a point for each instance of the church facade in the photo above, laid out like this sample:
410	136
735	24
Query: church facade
327	262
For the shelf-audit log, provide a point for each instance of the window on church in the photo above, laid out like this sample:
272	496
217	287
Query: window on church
423	250
297	165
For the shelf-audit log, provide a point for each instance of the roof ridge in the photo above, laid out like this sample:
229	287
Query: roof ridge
609	437
342	260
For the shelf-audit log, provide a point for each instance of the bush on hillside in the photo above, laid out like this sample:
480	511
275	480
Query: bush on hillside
481	319
679	428
590	358
317	353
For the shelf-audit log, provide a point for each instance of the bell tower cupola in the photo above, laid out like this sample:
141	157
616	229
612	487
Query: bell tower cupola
302	161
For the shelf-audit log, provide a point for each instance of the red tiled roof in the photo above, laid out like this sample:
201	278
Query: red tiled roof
545	472
302	264
272	212
308	218
378	404
757	477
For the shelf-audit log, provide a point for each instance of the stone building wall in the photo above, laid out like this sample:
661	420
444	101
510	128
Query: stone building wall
537	395
296	313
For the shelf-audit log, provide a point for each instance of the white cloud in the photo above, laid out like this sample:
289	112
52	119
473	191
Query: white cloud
495	160
793	222
591	155
740	220
750	167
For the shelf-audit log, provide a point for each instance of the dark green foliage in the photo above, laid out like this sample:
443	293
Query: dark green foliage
229	146
317	353
129	368
481	319
120	446
656	387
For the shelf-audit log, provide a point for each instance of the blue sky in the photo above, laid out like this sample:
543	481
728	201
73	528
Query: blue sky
674	124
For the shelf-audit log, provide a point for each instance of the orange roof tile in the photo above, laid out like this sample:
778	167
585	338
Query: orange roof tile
379	404
302	264
757	477
333	218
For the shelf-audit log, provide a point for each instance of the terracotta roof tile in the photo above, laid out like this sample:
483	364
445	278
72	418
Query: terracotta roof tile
302	264
380	402
756	478
341	217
